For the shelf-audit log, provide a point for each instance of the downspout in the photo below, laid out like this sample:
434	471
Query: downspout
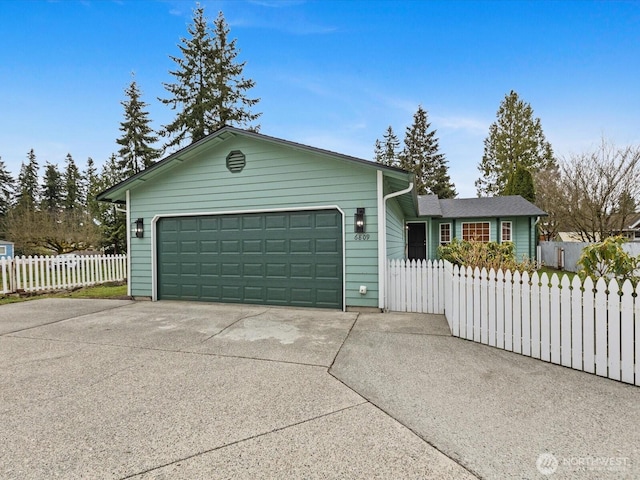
128	229
382	239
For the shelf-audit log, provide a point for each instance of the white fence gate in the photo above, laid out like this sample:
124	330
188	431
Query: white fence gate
33	274
593	327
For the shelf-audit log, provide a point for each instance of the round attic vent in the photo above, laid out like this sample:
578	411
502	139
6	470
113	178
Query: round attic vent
236	161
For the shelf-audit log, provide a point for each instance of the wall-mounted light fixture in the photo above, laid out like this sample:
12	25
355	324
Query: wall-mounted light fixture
359	220
138	228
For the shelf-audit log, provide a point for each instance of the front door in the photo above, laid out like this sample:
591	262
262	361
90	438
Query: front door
417	241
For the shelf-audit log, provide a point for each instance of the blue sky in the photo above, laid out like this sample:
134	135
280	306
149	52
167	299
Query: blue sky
331	74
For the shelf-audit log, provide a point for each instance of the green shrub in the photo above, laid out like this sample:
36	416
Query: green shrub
608	259
499	256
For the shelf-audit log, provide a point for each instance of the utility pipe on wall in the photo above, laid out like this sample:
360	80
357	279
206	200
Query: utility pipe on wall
382	249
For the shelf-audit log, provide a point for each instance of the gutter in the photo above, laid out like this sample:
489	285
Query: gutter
382	239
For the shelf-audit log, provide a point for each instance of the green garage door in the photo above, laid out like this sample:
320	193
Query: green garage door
279	258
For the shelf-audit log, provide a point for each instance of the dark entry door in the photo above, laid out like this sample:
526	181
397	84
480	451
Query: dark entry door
417	241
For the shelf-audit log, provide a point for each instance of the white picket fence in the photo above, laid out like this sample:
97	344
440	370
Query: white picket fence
590	327
415	286
42	273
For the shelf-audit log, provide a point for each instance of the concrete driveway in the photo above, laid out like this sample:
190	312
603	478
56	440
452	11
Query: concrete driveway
120	389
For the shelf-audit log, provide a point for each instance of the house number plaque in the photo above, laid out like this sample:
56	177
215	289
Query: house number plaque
361	236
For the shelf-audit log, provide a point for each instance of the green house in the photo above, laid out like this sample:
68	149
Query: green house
242	217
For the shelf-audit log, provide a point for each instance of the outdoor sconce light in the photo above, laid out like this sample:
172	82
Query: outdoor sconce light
138	228
359	220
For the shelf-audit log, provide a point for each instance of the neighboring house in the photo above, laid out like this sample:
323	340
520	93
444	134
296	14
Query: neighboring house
631	231
6	249
242	217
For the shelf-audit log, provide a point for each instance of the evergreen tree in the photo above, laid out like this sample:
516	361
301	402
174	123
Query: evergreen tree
137	137
72	185
52	190
421	156
7	192
7	189
521	183
113	224
91	188
386	152
515	139
210	91
28	183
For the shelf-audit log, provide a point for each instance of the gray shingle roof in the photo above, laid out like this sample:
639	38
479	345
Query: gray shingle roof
508	206
429	205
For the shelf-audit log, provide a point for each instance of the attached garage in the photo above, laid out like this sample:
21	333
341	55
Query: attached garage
271	258
242	217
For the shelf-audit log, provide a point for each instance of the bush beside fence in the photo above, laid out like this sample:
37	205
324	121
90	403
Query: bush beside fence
43	273
593	327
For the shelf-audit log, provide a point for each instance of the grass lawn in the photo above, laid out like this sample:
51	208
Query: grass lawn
560	273
108	290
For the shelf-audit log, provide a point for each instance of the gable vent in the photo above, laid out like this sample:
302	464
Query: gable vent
236	161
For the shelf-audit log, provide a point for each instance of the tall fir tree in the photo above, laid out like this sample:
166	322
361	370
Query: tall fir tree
7	189
515	139
7	194
210	91
52	192
137	152
521	183
421	155
92	187
73	194
386	152
28	185
113	224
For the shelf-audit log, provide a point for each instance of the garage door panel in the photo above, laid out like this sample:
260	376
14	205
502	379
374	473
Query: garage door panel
230	246
275	246
253	222
188	225
278	258
302	270
252	246
275	221
253	294
327	271
208	246
232	292
231	270
327	220
230	223
253	270
301	246
276	270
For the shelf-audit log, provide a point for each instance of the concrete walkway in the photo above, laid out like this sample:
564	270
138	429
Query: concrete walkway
119	389
498	414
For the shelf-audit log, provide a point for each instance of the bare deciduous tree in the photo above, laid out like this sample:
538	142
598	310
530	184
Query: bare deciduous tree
599	190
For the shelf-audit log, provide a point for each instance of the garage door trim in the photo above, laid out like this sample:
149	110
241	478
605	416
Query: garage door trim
156	218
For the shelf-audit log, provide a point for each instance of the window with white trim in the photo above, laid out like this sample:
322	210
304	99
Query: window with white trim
3	250
505	228
476	232
445	233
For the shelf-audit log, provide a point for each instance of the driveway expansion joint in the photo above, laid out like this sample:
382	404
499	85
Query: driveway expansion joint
242	440
232	325
65	319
